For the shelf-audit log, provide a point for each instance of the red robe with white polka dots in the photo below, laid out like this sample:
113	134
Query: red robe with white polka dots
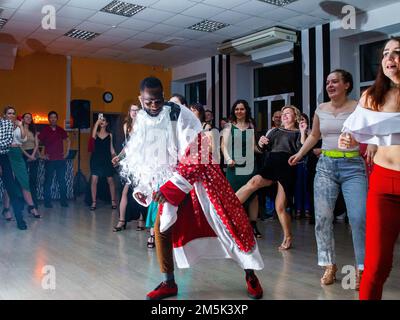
208	220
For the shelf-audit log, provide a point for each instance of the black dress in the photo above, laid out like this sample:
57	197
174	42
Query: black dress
100	161
282	145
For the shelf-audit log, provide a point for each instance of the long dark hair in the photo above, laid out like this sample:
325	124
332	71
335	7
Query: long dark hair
200	108
232	116
31	126
128	119
376	94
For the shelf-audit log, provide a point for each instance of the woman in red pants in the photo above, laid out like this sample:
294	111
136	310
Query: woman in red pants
376	120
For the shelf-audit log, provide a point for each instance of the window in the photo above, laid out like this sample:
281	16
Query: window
370	59
274	79
196	92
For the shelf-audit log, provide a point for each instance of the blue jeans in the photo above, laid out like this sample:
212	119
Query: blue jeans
332	174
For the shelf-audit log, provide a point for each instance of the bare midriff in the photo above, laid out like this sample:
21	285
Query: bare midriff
388	157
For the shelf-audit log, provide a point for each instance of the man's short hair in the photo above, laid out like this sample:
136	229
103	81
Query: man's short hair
50	113
151	83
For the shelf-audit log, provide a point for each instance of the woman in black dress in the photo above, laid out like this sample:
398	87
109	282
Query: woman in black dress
129	209
100	161
279	144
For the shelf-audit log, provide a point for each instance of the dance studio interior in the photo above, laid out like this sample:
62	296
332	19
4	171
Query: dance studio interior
294	104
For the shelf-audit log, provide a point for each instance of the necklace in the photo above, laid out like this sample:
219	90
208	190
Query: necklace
394	85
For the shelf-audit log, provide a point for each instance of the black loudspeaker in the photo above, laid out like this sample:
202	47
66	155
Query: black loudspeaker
80	114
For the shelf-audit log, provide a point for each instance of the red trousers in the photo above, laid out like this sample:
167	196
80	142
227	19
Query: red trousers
382	230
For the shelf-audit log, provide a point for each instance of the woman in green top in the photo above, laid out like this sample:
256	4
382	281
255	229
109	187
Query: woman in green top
238	149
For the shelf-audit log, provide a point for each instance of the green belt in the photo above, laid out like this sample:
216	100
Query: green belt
340	154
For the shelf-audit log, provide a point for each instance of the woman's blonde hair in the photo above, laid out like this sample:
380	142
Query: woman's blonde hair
296	111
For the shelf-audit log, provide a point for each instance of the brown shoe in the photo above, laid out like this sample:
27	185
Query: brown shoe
358	279
329	276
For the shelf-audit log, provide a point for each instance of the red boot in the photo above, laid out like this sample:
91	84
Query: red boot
254	289
164	290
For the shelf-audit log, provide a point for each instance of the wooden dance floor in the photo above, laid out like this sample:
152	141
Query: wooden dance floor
92	262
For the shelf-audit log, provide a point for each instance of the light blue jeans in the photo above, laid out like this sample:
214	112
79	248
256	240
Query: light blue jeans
332	174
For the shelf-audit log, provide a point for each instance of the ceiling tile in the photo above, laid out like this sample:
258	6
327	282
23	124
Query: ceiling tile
93	27
202	11
67	23
189	34
13	4
254	8
75	13
175	6
226	4
230	17
154	15
120	32
279	14
163	29
136	24
255	23
89	4
182	21
130	44
304	21
232	31
107	18
36	6
7	13
147	36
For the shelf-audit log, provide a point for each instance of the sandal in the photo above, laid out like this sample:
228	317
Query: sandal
151	242
93	206
140	226
31	210
286	244
120	228
113	204
6	216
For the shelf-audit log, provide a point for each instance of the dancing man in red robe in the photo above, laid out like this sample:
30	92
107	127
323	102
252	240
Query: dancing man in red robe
168	161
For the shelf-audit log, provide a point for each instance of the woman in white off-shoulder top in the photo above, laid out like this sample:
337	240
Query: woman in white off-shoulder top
377	120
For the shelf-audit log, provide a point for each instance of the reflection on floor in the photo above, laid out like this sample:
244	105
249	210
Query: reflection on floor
92	262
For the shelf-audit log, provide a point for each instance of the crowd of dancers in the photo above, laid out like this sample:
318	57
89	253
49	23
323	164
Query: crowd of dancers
197	205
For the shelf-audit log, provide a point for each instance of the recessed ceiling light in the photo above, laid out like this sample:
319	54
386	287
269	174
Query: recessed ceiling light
279	3
122	8
3	21
81	34
208	26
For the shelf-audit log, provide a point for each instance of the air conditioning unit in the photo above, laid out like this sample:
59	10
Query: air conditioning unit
261	39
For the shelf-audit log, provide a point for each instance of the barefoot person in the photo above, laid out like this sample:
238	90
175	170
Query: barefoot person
377	121
199	215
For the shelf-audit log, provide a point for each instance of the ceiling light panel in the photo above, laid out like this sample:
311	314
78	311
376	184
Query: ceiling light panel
280	3
208	26
2	22
81	34
122	8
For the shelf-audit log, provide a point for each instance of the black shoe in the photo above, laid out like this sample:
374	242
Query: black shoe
21	224
48	205
64	204
30	210
123	227
256	232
